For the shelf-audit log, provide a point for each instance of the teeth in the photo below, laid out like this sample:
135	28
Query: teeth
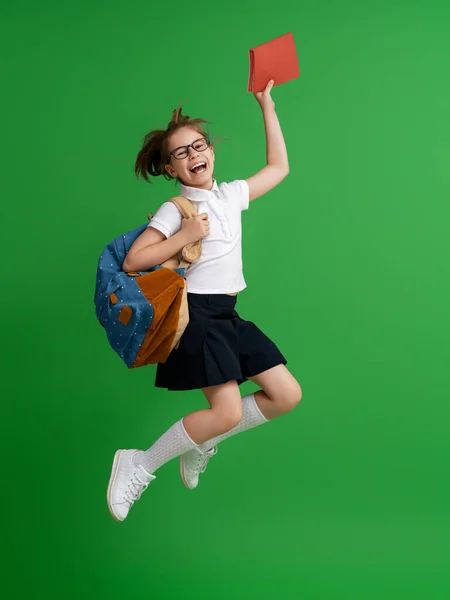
200	164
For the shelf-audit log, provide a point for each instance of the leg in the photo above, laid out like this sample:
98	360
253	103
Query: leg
133	470
224	413
223	417
197	427
280	392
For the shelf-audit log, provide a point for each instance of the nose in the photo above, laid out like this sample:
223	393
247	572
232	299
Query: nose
192	150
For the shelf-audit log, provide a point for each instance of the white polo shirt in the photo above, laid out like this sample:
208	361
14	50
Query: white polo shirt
220	268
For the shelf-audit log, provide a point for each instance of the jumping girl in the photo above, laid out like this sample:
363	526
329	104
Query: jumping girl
218	350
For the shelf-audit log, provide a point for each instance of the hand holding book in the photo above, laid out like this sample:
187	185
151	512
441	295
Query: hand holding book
264	98
274	60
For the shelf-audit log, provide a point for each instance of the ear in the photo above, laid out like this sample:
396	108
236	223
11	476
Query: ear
170	170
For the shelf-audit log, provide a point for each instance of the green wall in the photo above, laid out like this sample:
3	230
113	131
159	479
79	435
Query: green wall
347	269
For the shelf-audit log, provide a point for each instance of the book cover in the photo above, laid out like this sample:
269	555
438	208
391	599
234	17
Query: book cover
276	59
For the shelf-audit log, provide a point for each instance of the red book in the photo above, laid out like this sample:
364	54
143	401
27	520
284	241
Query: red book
275	60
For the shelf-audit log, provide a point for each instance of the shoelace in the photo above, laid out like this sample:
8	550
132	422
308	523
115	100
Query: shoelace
203	459
135	489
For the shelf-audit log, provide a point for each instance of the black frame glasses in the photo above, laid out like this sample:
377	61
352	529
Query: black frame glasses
186	148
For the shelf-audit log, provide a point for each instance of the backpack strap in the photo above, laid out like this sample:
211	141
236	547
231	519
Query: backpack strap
185	207
191	252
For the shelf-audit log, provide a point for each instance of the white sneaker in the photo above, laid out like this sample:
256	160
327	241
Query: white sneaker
126	484
193	463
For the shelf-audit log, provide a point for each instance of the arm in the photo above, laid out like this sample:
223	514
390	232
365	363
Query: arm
276	154
152	248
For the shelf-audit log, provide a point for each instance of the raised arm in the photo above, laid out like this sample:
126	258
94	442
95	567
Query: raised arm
277	167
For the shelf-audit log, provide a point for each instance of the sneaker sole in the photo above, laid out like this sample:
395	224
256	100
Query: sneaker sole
111	483
183	478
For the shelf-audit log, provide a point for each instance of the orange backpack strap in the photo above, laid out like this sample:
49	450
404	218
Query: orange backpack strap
192	252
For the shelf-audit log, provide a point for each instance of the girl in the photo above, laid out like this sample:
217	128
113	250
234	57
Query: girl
218	350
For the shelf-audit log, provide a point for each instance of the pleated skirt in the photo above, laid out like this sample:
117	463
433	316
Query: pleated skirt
217	346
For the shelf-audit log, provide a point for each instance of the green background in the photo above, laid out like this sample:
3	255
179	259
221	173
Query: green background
347	270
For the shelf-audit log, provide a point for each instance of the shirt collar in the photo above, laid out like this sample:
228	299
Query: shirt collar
197	195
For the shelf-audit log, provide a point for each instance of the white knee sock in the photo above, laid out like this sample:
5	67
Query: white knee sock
171	444
251	417
176	440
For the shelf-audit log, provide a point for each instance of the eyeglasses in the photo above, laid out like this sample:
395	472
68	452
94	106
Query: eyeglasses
181	152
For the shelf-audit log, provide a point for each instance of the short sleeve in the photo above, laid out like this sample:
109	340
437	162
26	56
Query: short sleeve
240	191
243	192
167	219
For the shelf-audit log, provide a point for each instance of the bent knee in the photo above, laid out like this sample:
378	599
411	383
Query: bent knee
293	396
289	397
230	418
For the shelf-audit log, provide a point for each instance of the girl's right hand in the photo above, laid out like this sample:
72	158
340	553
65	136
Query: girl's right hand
264	98
196	228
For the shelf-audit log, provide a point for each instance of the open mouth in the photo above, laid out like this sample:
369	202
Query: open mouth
198	168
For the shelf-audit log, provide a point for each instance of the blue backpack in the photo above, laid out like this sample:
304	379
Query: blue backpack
144	314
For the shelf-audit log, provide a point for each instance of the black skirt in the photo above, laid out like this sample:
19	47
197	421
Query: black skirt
217	346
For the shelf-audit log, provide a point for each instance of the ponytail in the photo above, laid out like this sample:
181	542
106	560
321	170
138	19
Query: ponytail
153	156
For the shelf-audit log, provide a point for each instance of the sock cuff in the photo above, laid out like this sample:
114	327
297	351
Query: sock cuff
187	435
252	399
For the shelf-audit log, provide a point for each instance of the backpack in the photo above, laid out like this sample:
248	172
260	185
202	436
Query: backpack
144	314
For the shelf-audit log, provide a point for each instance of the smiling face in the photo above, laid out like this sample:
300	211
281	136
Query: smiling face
197	167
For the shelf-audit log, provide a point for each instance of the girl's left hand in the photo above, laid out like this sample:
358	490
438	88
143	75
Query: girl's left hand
264	98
